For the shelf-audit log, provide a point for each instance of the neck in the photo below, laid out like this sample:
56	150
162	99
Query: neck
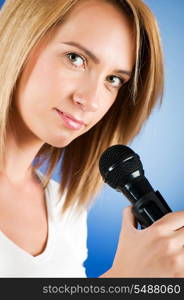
21	148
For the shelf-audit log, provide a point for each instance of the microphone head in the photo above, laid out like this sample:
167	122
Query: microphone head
118	163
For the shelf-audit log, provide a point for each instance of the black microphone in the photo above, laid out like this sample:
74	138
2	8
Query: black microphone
122	169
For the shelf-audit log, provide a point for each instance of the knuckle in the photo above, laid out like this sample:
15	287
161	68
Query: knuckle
158	231
165	245
168	245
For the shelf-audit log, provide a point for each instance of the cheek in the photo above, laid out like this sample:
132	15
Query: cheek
105	107
42	88
100	114
37	94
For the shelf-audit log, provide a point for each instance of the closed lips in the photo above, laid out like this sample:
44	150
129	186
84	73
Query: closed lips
71	117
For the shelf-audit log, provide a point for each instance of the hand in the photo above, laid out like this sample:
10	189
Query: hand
156	251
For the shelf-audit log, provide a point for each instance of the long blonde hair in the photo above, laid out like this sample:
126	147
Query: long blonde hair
23	25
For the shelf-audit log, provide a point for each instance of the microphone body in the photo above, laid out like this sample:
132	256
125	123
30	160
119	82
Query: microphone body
122	169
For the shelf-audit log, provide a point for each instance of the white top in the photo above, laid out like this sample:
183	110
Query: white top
66	248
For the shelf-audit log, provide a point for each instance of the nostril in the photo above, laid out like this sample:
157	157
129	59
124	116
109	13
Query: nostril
78	99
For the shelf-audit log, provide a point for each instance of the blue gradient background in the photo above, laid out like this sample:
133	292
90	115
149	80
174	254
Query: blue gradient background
160	145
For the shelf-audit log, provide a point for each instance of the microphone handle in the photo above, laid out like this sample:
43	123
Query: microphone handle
150	208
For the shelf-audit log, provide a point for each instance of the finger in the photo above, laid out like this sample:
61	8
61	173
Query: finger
129	218
172	221
178	239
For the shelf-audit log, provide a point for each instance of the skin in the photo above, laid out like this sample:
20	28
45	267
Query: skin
51	80
156	251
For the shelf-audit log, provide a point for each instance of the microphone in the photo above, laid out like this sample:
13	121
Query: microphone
121	168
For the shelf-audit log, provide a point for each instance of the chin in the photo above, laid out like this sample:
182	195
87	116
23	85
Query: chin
59	143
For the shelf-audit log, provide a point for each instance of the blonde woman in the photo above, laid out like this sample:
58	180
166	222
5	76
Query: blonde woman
76	77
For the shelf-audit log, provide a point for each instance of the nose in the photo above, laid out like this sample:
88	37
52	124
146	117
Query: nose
88	99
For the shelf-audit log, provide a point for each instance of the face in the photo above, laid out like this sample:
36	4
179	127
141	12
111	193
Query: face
73	77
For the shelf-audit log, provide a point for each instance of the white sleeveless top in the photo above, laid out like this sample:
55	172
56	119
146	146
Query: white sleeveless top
66	248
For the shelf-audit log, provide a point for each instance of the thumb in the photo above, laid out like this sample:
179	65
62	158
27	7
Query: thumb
129	218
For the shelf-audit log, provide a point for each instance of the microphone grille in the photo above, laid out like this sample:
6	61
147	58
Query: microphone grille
117	163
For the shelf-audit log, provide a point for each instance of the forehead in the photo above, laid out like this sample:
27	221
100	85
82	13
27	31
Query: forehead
101	27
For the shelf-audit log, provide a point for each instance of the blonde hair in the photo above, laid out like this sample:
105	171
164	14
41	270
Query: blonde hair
23	25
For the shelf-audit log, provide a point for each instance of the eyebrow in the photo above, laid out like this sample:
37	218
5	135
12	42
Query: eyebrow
93	56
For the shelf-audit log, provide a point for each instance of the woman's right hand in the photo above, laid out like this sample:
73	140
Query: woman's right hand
156	251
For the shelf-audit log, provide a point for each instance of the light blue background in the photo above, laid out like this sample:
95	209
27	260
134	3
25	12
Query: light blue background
160	145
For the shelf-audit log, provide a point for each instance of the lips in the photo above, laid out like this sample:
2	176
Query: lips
71	117
70	121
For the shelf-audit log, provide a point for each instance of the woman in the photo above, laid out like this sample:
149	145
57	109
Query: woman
76	77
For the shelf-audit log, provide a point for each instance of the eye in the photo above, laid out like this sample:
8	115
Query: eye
116	81
76	59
